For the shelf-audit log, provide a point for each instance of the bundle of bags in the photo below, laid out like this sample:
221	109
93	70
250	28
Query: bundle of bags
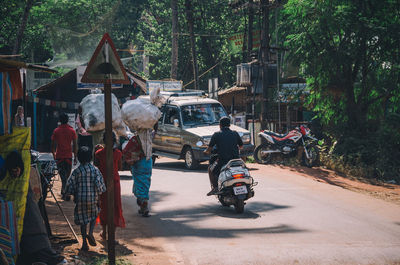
142	113
137	114
94	117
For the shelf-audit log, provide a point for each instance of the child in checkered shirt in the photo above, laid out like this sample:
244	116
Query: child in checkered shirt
86	184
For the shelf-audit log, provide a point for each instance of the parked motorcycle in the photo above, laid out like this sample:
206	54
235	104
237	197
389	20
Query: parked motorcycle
47	169
235	185
288	145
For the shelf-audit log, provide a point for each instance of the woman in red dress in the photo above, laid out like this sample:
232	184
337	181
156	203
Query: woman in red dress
100	162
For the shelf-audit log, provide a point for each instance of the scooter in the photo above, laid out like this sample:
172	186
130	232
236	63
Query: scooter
235	185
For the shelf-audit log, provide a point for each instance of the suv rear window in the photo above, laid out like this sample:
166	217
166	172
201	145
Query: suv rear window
202	114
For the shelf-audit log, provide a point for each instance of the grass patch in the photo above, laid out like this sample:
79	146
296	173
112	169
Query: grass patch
250	160
104	261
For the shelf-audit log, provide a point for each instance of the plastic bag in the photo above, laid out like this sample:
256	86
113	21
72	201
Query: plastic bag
140	114
94	117
155	97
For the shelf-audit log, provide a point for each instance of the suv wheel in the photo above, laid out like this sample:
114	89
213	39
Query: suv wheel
190	161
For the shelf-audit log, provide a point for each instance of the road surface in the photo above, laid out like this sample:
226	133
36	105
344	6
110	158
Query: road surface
291	220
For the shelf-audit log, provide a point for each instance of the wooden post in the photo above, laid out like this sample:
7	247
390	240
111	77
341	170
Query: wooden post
110	176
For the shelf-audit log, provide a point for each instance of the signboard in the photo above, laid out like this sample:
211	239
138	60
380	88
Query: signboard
105	65
170	86
80	70
71	120
293	92
35	79
240	120
236	41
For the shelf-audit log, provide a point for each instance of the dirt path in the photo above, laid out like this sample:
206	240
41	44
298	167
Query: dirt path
132	247
137	246
380	190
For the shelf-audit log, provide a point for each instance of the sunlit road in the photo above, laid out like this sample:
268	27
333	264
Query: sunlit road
291	220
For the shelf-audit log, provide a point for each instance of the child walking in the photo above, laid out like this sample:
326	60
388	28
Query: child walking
86	184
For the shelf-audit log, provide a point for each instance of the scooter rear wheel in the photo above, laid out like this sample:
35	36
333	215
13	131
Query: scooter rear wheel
221	200
239	206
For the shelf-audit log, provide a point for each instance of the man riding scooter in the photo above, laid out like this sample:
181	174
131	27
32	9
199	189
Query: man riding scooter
228	143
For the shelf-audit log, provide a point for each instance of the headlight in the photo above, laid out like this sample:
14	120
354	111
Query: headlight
204	141
246	138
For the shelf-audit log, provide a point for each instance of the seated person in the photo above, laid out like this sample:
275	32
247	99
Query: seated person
174	117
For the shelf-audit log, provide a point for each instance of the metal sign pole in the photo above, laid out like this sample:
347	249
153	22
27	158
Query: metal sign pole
110	176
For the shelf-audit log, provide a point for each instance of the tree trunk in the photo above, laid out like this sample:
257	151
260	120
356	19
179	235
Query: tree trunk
174	53
22	26
189	18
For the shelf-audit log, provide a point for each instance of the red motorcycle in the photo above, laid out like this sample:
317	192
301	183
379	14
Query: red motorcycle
288	145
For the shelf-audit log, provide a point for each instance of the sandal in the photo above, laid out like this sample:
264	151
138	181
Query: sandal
91	240
144	210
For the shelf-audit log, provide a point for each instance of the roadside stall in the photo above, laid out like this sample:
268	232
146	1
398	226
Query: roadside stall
15	143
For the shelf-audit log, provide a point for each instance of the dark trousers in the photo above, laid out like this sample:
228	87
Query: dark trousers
64	170
213	173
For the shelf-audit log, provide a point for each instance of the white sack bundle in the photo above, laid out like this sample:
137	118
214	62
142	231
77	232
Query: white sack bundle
140	114
156	98
94	117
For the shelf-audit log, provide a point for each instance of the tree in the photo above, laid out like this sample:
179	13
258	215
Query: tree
349	52
190	21
22	27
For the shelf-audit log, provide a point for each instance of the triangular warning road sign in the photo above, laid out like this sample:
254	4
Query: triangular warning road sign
105	65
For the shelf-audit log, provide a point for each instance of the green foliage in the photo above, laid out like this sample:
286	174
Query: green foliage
73	29
154	36
350	54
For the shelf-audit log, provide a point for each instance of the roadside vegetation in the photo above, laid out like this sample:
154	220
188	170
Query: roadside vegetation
347	51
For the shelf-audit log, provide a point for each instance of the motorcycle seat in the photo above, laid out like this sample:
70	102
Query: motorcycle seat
283	135
234	163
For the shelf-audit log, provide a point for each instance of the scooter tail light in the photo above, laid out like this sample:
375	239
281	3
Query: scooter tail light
238	184
238	176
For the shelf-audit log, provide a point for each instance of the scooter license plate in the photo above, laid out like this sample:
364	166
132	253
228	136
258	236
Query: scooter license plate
240	190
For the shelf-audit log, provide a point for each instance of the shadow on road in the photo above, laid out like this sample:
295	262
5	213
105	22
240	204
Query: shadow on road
252	210
125	176
179	166
183	222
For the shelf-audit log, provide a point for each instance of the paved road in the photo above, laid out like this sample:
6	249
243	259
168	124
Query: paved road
291	220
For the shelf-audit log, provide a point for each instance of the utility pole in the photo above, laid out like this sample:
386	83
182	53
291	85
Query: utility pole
264	61
250	31
189	18
277	71
174	50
